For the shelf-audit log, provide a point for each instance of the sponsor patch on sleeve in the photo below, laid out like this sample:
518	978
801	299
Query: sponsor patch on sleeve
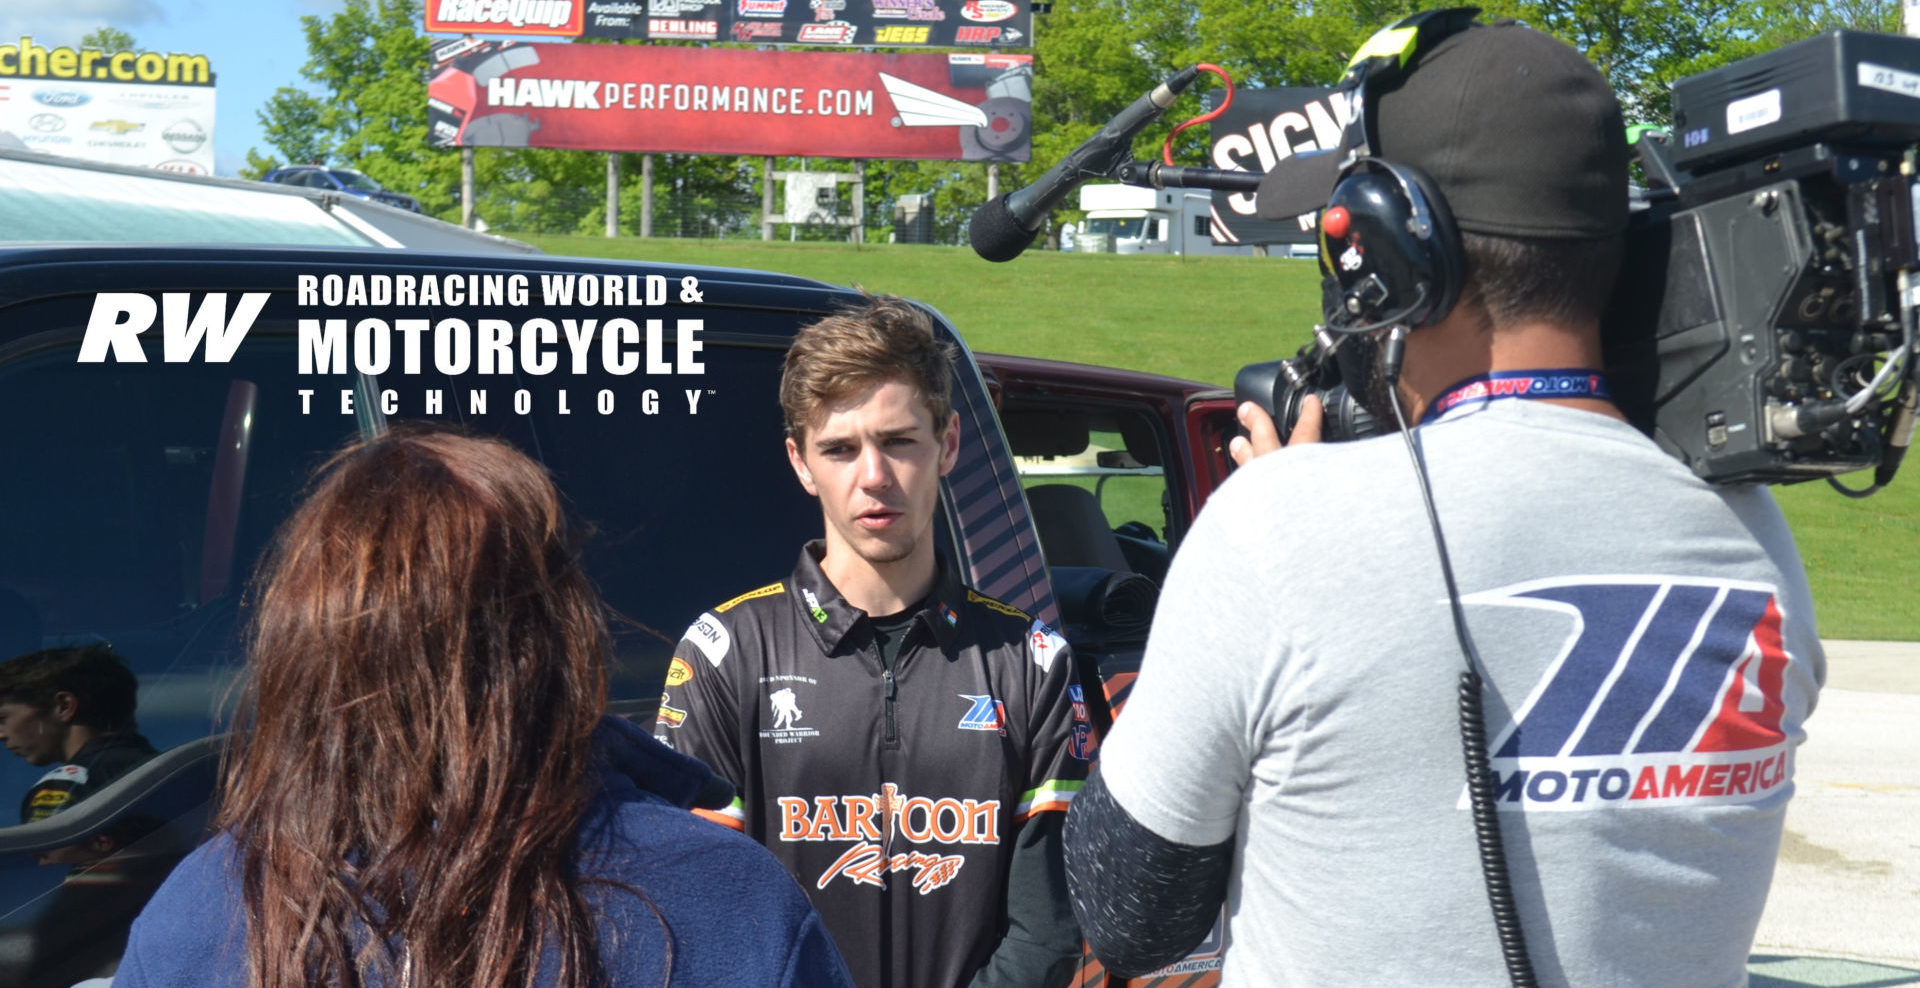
709	636
1043	645
1009	610
74	775
679	671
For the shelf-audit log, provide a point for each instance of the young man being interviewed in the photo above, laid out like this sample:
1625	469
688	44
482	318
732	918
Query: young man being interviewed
900	741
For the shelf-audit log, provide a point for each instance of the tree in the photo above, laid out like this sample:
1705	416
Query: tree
108	39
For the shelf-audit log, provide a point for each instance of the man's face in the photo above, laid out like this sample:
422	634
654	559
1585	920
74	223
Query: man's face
875	462
33	733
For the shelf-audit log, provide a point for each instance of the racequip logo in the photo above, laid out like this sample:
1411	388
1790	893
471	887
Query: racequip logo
1670	692
900	34
760	8
988	11
756	30
61	97
506	16
661	27
913	10
184	136
181	166
873	820
47	123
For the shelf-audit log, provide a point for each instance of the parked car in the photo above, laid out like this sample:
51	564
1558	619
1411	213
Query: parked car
141	497
346	180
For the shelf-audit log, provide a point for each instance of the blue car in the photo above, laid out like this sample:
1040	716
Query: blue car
345	180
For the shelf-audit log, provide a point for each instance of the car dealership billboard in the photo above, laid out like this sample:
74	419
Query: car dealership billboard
962	106
145	109
876	23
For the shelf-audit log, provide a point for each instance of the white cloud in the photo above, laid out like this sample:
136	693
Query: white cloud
65	22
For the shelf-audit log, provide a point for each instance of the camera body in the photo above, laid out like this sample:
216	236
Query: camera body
1763	327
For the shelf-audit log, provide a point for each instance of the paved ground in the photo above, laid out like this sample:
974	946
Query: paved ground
1845	907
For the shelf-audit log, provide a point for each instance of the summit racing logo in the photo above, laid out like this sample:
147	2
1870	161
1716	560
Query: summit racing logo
560	17
1668	693
874	820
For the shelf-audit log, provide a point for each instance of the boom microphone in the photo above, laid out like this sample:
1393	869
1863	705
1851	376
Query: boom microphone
1001	229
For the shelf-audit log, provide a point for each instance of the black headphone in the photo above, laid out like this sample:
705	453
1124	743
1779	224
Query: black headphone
1387	238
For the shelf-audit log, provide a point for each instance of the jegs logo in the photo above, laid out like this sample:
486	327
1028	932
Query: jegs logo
829	33
874	819
988	11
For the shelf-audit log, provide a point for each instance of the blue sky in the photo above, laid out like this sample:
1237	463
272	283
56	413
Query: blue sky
255	47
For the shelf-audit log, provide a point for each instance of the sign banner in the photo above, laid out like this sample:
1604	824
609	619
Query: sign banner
964	107
864	23
1260	128
143	109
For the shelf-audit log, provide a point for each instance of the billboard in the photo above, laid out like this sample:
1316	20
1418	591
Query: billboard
145	109
962	106
866	23
1261	127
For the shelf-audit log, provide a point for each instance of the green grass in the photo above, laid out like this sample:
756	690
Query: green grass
1202	318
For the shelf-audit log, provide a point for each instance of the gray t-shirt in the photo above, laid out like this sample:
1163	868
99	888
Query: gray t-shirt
1653	633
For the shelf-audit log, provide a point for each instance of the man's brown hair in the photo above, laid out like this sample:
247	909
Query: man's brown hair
886	338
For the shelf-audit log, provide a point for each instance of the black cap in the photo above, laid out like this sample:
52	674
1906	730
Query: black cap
1520	132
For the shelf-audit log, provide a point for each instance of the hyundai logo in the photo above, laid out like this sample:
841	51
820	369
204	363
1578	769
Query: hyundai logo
48	123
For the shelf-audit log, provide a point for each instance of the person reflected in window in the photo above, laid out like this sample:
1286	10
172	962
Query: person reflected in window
71	708
423	788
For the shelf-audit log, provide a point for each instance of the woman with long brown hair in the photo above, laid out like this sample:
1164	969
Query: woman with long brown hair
423	789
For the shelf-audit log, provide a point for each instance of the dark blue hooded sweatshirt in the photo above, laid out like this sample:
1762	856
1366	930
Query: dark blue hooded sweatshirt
734	914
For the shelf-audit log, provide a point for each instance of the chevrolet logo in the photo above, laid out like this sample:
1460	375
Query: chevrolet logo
117	127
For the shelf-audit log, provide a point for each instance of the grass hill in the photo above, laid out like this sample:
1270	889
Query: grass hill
1204	317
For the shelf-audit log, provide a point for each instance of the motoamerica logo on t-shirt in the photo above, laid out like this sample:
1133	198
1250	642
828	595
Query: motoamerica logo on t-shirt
1668	692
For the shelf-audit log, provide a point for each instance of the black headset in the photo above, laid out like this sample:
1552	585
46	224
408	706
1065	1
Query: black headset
1387	238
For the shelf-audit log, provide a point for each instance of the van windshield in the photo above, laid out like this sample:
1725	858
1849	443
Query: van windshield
1118	228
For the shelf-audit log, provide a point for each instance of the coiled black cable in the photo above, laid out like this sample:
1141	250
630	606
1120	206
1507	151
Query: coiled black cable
1473	724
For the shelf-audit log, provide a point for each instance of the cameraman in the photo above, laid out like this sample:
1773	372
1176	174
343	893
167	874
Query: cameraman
1291	749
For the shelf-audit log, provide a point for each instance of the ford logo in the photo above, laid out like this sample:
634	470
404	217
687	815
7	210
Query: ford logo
61	97
48	123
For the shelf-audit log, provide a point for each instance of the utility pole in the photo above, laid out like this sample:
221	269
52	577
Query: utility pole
766	198
466	187
859	200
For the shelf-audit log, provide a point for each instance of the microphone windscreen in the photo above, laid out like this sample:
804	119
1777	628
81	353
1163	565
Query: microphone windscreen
995	234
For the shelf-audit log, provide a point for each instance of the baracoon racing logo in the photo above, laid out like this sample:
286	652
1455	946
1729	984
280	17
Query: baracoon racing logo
874	820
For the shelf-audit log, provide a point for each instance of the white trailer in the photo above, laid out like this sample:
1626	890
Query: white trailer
1134	220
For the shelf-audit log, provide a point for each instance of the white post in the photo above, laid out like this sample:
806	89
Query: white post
993	182
613	194
1912	20
766	198
859	200
646	195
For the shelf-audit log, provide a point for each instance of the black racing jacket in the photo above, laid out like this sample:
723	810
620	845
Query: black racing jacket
896	798
97	763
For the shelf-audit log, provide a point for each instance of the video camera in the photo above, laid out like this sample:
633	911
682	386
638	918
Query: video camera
1763	329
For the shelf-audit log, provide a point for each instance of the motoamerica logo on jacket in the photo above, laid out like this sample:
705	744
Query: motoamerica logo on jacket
895	797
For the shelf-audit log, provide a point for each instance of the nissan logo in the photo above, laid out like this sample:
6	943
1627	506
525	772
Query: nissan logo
61	97
184	136
48	123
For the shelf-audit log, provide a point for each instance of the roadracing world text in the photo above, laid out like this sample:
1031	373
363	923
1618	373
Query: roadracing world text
441	328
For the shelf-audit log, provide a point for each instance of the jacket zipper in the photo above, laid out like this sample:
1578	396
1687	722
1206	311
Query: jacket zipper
893	733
